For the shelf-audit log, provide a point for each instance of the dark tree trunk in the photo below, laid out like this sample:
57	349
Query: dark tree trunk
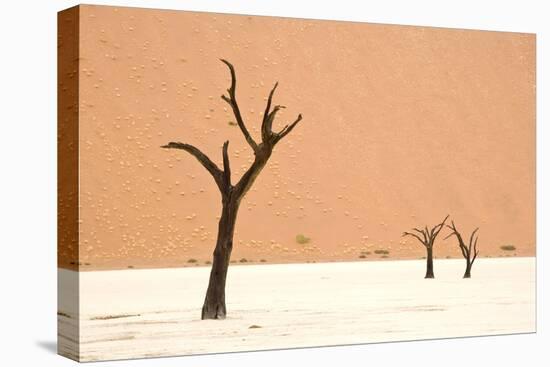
429	264
468	269
214	302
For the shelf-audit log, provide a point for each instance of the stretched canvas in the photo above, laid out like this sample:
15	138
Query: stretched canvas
236	183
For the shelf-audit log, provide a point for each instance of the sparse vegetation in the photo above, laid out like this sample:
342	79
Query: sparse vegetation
508	248
243	260
381	252
302	240
192	261
130	266
362	256
232	123
262	260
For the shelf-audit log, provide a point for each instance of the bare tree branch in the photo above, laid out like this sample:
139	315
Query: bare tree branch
472	238
287	129
226	167
476	252
415	236
439	227
270	135
232	101
423	235
201	157
266	121
465	251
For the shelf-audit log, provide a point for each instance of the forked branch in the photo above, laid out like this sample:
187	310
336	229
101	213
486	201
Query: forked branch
428	235
262	151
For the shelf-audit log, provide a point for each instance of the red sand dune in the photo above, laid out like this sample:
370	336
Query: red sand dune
402	126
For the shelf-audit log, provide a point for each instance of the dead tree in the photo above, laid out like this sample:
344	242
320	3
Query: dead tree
469	252
232	194
427	238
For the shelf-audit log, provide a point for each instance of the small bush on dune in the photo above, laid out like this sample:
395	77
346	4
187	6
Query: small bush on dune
381	252
508	247
302	240
192	261
243	260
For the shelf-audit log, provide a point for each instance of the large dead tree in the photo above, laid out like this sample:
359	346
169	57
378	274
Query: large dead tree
232	194
427	238
469	252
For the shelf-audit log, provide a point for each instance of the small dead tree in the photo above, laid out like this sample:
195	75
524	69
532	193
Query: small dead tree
232	194
427	238
469	252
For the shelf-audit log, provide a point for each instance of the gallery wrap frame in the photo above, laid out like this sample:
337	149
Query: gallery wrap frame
70	169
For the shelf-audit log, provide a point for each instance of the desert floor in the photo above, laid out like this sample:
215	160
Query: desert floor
156	312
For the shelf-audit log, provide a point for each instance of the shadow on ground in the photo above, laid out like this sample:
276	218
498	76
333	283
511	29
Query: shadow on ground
48	345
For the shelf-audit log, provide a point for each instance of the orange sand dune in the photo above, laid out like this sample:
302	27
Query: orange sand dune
402	126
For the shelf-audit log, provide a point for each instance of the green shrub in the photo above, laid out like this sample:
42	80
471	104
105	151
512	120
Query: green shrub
302	240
